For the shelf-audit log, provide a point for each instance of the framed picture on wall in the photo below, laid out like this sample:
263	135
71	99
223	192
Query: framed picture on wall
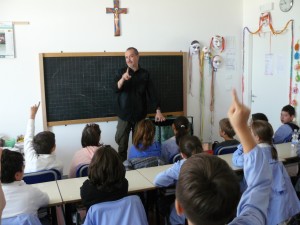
7	47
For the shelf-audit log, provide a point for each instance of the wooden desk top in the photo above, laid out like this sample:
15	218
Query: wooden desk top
228	159
151	172
284	151
70	188
52	190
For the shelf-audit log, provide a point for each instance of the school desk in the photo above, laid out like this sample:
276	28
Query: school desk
285	153
70	188
52	190
55	199
228	159
151	172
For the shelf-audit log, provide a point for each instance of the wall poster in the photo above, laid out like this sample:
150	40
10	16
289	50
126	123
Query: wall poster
7	47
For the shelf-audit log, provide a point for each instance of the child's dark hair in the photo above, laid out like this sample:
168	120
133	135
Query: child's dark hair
207	190
44	142
289	109
226	127
144	134
190	145
259	116
90	135
11	163
265	132
106	170
182	127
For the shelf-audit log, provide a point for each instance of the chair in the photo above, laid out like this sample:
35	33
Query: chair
23	219
82	170
128	210
176	158
42	176
225	150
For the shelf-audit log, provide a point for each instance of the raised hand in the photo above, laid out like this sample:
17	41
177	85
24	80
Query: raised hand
126	75
33	110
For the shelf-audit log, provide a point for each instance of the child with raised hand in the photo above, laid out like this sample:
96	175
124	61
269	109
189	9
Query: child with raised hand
39	150
170	147
284	202
238	157
207	191
188	146
90	139
143	141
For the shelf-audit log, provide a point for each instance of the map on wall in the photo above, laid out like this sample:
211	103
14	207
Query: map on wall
7	49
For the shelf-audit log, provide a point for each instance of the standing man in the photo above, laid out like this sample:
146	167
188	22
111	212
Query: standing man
132	85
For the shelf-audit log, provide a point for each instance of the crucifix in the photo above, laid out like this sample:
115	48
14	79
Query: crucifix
116	11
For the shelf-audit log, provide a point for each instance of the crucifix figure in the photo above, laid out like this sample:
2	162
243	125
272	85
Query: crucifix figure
116	11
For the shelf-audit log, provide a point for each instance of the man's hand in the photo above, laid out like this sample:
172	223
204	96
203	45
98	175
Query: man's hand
126	75
159	117
33	110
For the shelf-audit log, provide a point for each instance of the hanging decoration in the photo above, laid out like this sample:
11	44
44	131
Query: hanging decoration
194	51
266	20
297	66
217	43
205	56
117	11
295	89
216	64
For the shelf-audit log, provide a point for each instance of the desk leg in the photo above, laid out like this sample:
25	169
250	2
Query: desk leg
68	213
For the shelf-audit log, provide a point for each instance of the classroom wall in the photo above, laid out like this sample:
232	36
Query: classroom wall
275	87
83	26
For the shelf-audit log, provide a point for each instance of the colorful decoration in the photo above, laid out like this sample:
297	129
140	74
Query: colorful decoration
116	11
217	43
265	20
297	66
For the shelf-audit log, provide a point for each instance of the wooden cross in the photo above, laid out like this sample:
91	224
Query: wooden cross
116	11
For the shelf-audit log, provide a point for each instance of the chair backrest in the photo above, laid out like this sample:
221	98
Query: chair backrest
23	219
82	170
137	163
128	210
42	176
225	150
176	157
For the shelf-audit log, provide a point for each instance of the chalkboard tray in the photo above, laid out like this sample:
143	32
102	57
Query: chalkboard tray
77	87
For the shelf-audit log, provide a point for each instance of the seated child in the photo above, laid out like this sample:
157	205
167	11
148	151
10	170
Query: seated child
284	132
20	197
39	149
143	141
284	202
189	145
207	191
90	143
225	131
237	157
107	180
170	147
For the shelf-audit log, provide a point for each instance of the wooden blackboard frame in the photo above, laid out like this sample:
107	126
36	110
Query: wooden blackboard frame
47	124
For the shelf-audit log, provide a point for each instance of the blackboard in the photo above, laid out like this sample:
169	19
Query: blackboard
77	87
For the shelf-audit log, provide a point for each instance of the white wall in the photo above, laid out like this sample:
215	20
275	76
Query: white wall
83	26
276	88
